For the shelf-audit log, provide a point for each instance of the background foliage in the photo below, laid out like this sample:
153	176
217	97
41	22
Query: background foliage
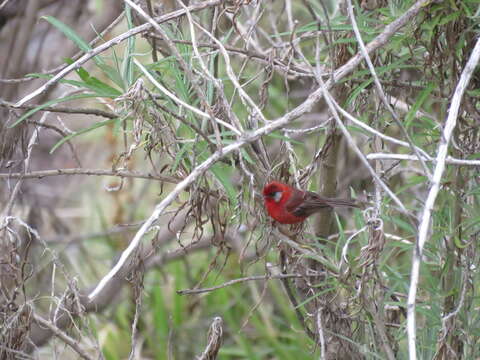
180	116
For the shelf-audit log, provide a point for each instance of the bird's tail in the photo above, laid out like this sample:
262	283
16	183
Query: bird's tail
342	203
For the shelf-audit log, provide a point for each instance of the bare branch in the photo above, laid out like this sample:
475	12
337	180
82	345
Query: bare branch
236	281
91	172
449	160
59	109
432	194
74	344
26	165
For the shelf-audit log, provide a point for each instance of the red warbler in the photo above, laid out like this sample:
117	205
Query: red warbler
288	205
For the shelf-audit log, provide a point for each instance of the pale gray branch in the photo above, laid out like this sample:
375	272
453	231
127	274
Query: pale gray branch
432	194
449	160
91	172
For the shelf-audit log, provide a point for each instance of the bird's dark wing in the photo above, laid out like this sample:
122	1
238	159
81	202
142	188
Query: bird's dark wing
307	203
295	200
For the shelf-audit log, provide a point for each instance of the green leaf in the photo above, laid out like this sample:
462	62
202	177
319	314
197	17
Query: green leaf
358	90
127	64
180	155
450	17
76	83
224	176
422	97
474	92
474	156
84	46
403	225
277	135
160	314
101	88
458	243
80	132
380	71
412	181
316	295
93	83
50	103
246	156
73	36
69	33
358	129
112	74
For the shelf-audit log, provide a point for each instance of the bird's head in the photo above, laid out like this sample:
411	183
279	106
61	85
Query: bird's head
272	192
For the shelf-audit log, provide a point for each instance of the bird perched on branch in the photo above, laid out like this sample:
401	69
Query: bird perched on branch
288	205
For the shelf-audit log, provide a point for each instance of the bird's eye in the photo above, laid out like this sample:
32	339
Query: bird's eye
277	195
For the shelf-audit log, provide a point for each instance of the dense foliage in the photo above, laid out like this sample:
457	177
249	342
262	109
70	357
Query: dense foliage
191	110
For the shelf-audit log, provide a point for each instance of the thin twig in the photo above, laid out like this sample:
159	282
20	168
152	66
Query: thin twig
152	40
91	172
382	331
321	335
212	79
26	165
62	134
376	132
244	97
180	118
39	335
292	299
432	194
137	285
310	254
236	281
60	109
449	160
379	41
277	63
74	344
19	355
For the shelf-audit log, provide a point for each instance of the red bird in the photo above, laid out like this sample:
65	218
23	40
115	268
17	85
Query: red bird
288	205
